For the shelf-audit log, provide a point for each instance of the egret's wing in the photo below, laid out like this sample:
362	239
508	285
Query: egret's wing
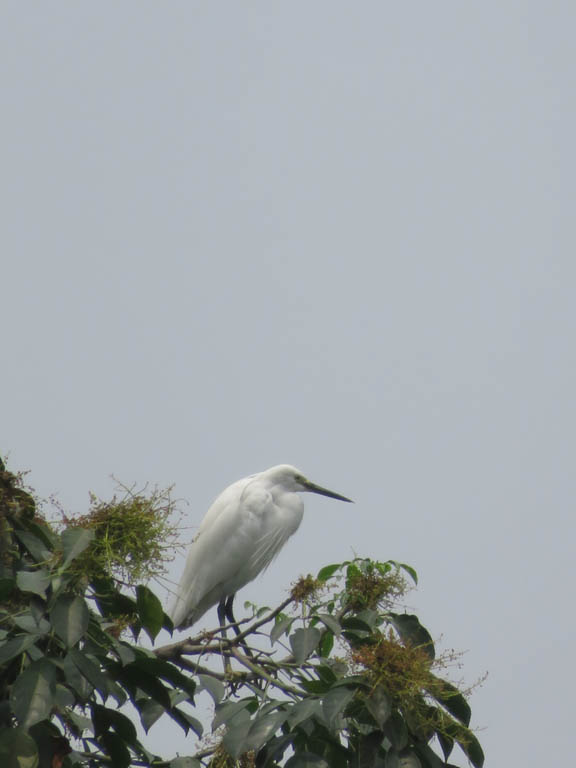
224	545
223	502
269	545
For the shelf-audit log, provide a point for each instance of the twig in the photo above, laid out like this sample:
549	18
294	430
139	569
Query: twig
272	615
193	645
261	673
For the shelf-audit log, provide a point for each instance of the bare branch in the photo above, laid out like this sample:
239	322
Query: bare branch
260	672
198	644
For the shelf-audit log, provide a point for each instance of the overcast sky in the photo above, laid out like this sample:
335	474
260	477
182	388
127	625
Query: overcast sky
339	235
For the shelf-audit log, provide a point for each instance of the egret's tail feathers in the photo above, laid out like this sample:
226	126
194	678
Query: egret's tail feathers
177	612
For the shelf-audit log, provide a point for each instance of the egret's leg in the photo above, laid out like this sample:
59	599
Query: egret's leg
229	612
222	613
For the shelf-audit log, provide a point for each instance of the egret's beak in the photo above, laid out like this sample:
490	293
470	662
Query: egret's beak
313	488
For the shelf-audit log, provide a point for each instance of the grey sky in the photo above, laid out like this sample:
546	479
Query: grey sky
332	234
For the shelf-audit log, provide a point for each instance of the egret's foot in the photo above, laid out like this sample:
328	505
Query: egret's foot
235	678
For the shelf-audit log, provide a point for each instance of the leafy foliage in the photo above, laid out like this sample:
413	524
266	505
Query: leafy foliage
344	680
128	536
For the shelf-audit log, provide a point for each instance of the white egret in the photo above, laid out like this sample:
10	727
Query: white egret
238	538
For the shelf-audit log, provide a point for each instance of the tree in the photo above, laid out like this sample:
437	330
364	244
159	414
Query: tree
346	679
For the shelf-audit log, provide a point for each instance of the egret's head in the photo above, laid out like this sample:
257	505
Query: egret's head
291	479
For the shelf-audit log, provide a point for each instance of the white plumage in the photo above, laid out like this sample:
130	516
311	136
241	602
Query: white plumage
238	538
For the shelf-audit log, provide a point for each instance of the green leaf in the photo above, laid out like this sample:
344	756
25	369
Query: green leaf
15	647
369	745
426	756
328	571
178	716
334	703
356	680
113	689
76	680
379	704
316	687
7	586
79	722
50	538
70	617
110	601
212	686
168	624
150	611
90	669
50	742
475	753
274	705
352	572
192	722
446	743
385	568
185	762
227	711
17	749
281	626
28	623
304	642
396	731
132	677
356	623
33	581
96	636
302	710
34	692
393	760
37	607
410	571
450	697
64	697
330	622
326	644
369	617
34	545
235	736
116	749
34	653
306	760
326	674
262	729
150	712
470	746
74	542
166	671
411	631
22	503
124	652
104	719
177	697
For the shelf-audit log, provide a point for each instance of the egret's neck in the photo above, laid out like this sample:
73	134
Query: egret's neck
290	501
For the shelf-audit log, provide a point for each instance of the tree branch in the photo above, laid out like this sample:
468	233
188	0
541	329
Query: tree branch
194	645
